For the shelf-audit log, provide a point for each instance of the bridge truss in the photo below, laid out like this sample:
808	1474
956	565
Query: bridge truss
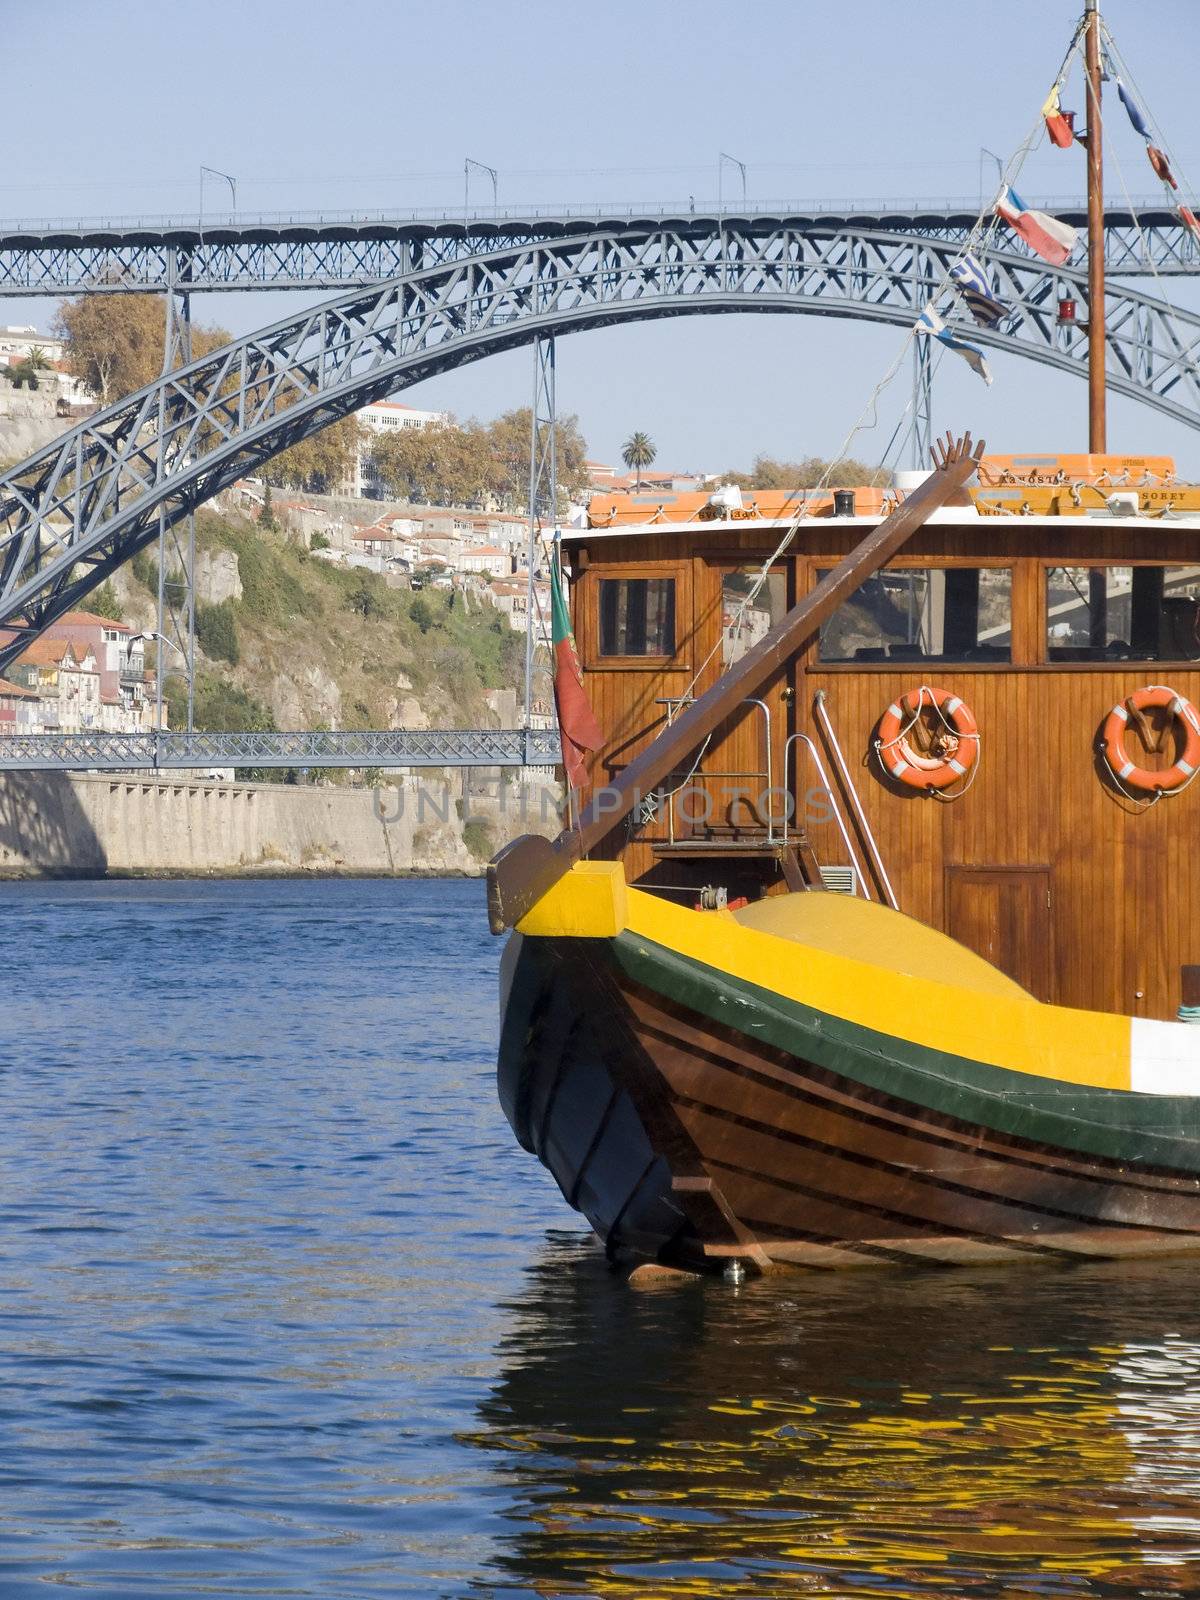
84	504
329	251
164	752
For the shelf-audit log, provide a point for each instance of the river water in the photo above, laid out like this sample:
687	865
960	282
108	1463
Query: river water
284	1311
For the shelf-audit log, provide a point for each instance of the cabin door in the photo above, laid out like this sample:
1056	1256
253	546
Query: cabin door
1003	913
739	784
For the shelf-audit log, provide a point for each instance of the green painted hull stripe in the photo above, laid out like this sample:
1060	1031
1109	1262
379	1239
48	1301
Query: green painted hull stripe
1150	1130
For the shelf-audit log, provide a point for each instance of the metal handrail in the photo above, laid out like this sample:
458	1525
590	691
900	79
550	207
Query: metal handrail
672	703
868	837
859	874
577	210
766	711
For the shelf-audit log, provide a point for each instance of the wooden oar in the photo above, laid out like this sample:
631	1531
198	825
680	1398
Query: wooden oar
525	869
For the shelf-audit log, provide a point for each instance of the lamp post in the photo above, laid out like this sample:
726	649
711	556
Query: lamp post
479	166
224	177
984	151
144	637
722	157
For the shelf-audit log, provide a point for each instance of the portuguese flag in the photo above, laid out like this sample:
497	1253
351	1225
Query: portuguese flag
577	726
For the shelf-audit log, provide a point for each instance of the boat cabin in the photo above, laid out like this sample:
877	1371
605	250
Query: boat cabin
979	735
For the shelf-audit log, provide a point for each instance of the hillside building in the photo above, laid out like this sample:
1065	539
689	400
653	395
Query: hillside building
65	677
382	419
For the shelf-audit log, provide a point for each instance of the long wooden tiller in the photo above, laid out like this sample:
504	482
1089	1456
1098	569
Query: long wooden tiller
520	874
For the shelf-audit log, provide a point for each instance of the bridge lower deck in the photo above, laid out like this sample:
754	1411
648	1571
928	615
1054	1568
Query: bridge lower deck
387	748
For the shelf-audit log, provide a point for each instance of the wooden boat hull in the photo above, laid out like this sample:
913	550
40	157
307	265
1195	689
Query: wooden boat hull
694	1114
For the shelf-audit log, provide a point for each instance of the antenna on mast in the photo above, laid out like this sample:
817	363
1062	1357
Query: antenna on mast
1097	415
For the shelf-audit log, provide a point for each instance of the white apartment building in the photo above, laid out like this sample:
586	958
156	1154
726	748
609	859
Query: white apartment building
485	558
119	649
17	344
390	416
511	596
66	678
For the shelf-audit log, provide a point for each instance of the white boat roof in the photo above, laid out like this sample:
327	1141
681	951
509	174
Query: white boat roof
944	516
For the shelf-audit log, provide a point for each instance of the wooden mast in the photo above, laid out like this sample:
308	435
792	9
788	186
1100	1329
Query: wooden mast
525	869
1097	418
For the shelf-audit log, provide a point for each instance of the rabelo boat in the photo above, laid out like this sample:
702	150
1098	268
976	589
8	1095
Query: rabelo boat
874	934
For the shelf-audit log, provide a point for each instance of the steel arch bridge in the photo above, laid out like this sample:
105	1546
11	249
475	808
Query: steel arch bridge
83	505
340	250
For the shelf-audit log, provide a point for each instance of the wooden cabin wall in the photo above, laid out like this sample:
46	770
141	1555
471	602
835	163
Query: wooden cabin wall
626	695
1123	887
1123	883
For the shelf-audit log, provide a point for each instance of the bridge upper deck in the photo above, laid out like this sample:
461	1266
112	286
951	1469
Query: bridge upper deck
325	249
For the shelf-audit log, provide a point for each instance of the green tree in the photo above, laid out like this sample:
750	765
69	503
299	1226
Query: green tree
440	465
26	371
266	517
319	463
638	451
145	569
216	632
114	342
767	473
222	705
219	705
509	439
103	601
362	599
472	464
420	613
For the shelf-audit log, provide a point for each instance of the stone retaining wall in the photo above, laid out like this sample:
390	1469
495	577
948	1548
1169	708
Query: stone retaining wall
53	822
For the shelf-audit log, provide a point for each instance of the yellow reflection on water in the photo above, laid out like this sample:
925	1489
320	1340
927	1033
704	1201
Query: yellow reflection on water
1019	1433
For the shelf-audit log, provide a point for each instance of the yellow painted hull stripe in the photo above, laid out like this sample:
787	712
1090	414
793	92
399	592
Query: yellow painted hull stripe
1020	1035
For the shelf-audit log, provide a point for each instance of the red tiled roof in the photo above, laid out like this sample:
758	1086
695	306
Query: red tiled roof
17	689
92	616
46	652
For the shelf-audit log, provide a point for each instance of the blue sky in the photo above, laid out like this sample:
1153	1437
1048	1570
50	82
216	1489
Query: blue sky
376	104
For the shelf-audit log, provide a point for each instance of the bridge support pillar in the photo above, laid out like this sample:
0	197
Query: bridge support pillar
922	404
176	614
543	499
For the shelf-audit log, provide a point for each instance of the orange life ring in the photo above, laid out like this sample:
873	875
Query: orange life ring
1156	697
955	746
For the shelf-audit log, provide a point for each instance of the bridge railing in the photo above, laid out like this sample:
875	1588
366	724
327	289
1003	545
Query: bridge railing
387	748
590	211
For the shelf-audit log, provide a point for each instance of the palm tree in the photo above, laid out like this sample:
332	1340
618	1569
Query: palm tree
27	369
638	451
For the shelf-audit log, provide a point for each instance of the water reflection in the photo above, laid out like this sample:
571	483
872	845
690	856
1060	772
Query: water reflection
999	1433
268	1323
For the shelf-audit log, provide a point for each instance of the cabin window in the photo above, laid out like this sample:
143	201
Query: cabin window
637	616
1123	613
924	614
744	620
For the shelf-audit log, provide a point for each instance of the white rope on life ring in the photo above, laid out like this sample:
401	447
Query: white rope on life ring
955	751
